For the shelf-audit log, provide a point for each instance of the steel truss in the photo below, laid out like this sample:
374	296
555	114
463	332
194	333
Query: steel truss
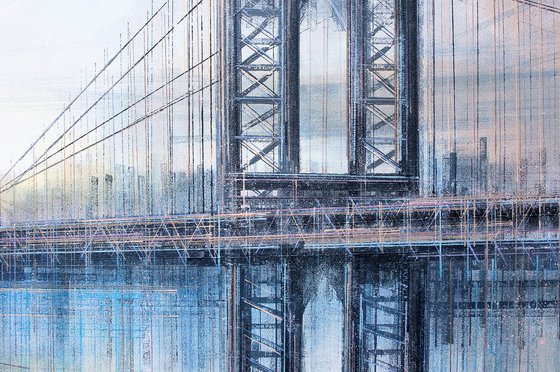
381	139
263	320
259	73
383	318
424	227
384	92
264	133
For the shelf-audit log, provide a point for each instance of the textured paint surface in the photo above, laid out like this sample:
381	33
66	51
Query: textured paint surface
281	185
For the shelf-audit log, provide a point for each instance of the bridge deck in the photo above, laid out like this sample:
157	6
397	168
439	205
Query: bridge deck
423	226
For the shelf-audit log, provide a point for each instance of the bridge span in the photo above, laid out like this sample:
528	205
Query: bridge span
284	185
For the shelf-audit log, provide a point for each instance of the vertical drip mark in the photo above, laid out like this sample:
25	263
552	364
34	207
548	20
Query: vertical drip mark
518	188
504	100
454	88
434	156
542	150
495	122
477	121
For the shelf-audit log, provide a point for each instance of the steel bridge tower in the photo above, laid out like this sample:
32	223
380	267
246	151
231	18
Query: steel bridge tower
273	97
267	95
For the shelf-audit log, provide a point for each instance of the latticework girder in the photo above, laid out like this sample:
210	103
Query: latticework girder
381	135
259	73
435	227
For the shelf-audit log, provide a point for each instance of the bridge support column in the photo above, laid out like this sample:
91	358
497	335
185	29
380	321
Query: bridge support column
256	314
267	311
351	315
233	319
389	317
295	309
416	299
375	305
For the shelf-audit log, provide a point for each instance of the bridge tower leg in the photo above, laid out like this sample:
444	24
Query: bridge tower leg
416	299
257	320
267	305
390	314
296	307
351	314
382	301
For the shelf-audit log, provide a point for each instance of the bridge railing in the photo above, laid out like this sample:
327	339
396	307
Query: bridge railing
423	227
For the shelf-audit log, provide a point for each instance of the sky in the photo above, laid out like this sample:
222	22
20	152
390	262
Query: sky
48	48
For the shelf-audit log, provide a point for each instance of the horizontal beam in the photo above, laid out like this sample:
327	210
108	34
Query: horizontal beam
424	227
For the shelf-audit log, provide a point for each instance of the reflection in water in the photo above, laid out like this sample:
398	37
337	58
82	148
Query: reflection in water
499	315
143	318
